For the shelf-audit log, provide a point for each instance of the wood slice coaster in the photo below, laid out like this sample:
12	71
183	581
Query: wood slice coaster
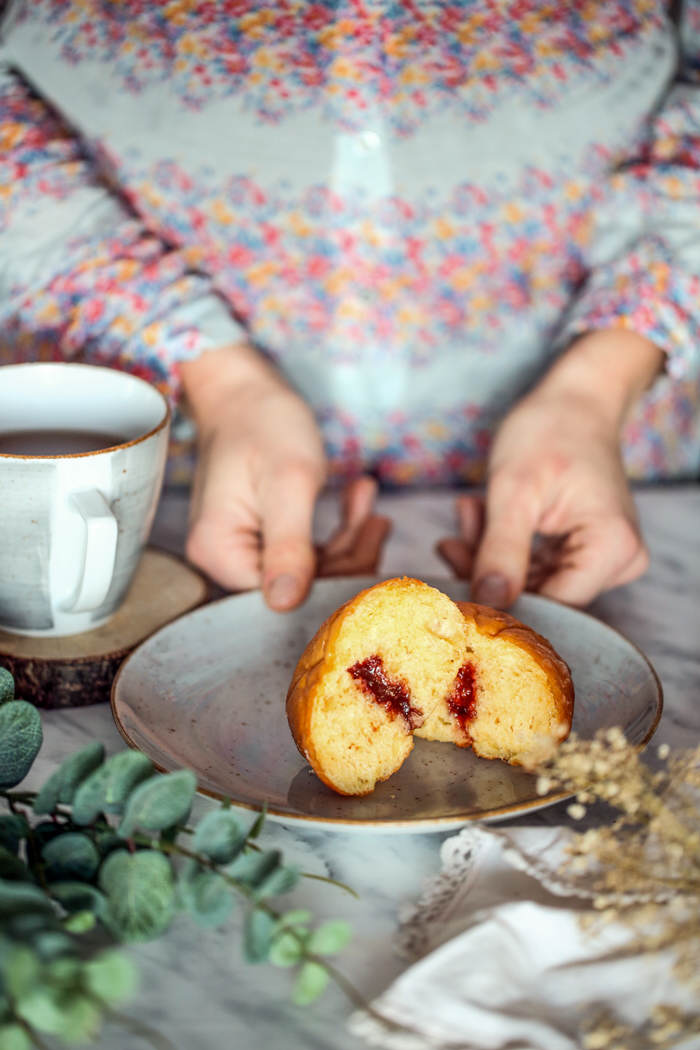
78	669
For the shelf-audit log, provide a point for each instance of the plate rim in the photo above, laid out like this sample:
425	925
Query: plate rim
418	824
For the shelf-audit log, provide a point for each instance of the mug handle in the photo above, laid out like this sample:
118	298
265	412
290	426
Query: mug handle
100	550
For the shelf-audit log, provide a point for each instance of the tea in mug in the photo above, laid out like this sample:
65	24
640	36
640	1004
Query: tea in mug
53	442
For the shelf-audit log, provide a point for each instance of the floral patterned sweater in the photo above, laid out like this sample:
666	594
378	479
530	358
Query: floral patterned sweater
409	207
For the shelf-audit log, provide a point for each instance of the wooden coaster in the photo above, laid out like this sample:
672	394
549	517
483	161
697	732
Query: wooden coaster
78	669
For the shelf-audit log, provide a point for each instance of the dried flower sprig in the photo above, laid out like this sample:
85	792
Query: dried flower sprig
651	852
643	869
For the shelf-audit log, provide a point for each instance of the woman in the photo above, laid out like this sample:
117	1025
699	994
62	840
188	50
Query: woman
424	243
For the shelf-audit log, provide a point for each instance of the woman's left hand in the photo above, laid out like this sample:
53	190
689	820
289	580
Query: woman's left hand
558	516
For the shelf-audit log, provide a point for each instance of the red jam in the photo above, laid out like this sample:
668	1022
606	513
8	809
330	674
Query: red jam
462	700
391	693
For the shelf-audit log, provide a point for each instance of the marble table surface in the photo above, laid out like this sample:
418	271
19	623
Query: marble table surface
195	988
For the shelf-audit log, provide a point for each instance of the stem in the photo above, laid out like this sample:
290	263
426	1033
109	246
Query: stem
356	997
310	875
331	882
33	1035
17	796
178	850
150	1035
619	864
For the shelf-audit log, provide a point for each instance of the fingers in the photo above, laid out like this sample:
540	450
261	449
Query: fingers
356	546
502	559
458	556
365	554
224	537
226	549
598	557
470	513
357	504
458	551
288	554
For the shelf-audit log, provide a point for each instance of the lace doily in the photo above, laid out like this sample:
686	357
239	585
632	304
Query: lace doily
460	857
497	890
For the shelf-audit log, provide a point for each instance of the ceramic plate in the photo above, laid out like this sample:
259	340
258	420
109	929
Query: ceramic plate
208	692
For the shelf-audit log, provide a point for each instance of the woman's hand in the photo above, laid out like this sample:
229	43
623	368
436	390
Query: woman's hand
260	469
558	516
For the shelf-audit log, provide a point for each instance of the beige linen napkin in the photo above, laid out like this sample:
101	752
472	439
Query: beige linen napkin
506	964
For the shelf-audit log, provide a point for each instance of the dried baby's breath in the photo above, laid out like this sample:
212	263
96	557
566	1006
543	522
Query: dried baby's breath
642	869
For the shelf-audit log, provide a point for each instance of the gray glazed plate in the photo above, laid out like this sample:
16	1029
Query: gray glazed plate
208	692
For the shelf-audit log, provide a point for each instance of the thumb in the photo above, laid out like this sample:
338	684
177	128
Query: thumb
288	555
503	553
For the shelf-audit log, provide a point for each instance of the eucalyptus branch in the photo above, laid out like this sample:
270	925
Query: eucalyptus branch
97	846
29	797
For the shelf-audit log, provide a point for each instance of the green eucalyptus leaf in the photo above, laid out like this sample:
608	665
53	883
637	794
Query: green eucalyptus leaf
21	969
70	856
81	1020
78	896
257	825
108	787
310	983
27	926
329	938
280	880
22	897
41	1008
73	1017
258	934
80	922
297	917
253	868
111	976
7	686
219	836
162	801
63	782
20	741
13	828
13	1036
11	867
61	973
140	894
291	937
286	949
205	895
49	943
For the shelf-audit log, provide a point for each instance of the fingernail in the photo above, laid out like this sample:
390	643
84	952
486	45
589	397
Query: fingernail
283	591
492	589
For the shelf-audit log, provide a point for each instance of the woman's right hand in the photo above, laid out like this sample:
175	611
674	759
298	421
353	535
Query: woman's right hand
260	469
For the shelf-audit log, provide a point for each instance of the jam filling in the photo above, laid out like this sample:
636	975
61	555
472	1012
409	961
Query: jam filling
462	700
391	693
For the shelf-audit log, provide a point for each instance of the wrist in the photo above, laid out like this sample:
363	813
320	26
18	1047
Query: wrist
610	369
216	377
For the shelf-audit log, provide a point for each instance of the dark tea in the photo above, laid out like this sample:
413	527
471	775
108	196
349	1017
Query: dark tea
56	442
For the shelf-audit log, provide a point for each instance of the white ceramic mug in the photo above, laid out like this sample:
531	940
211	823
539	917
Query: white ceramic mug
73	525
